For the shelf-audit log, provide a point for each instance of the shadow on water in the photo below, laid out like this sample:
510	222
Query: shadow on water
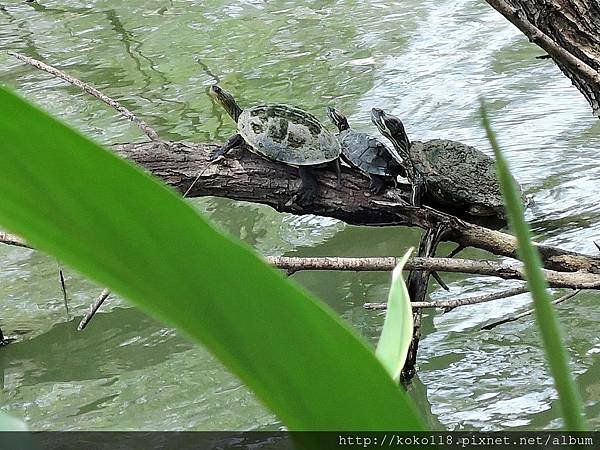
588	384
125	337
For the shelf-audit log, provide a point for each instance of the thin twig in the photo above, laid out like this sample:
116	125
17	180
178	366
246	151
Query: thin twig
291	265
92	310
529	311
458	302
573	280
147	129
11	239
459	248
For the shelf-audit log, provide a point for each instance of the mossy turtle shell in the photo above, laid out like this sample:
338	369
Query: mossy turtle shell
287	134
459	175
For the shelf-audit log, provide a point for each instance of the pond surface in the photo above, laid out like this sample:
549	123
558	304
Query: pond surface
426	61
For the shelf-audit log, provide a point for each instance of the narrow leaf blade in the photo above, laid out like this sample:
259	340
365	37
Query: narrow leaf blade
398	326
556	354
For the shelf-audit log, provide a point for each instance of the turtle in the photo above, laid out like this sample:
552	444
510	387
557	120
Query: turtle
367	153
285	134
451	173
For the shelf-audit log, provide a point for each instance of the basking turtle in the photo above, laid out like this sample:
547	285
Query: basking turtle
453	174
367	153
285	134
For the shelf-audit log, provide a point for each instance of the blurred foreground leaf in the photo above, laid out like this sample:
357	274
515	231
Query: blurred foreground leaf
556	354
101	215
398	326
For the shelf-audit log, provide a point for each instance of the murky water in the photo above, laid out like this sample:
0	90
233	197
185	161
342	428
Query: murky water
427	61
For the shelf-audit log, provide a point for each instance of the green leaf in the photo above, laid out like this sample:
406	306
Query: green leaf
556	354
117	225
397	331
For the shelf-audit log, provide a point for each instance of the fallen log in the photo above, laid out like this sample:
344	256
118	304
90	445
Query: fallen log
248	177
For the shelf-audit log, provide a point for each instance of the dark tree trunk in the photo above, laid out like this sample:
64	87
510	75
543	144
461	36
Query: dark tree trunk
569	31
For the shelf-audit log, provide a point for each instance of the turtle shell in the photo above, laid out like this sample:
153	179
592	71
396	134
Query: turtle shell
458	175
369	154
287	134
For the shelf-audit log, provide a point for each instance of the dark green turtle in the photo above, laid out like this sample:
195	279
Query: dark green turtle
282	133
367	153
451	173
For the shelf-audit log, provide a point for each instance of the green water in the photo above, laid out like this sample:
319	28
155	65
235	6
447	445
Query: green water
427	61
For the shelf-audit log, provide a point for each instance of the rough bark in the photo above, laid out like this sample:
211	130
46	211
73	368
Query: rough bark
568	30
503	270
245	176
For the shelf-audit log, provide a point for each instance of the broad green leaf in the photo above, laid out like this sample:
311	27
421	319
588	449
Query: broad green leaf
101	215
398	325
547	321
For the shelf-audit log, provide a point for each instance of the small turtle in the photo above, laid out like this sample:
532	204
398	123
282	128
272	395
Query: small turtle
367	153
453	174
285	134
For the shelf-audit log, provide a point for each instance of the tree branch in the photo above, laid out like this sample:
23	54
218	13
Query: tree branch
248	177
451	304
568	31
251	178
529	311
147	129
507	271
94	307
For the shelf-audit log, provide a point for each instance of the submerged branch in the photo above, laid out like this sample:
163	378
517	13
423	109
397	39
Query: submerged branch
451	304
147	129
248	177
529	311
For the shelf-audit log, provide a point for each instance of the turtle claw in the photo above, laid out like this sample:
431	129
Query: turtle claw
217	155
234	141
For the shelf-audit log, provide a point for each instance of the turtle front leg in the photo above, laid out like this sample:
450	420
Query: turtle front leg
338	171
377	184
234	141
309	189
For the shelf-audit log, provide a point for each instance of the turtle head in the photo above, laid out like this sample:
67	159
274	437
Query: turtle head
338	119
226	100
392	128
